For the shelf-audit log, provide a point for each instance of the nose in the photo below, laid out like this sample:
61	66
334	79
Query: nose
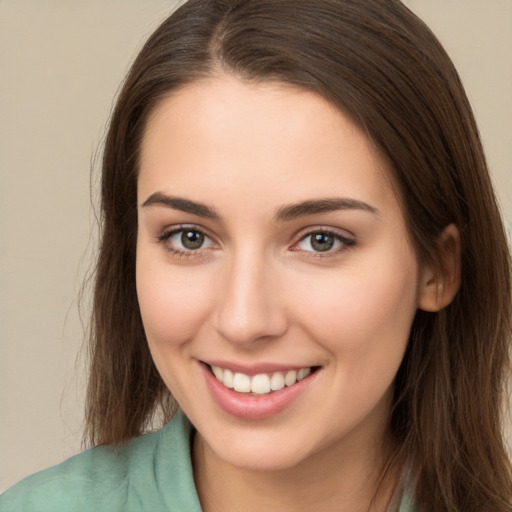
251	308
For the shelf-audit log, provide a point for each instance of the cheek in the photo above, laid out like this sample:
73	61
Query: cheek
364	310
173	304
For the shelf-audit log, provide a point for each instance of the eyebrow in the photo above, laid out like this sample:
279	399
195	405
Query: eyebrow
312	207
283	214
184	205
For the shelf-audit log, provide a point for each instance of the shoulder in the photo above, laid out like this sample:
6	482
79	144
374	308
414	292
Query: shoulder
152	472
68	484
407	499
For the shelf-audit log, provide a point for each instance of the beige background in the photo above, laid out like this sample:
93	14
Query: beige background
60	66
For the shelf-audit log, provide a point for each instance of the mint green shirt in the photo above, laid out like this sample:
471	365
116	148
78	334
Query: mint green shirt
151	473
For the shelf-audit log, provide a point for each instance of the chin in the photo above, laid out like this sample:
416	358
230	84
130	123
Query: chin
266	450
263	459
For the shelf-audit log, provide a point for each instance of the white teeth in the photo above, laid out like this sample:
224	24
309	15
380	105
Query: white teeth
227	378
303	372
242	383
290	378
277	381
218	372
260	384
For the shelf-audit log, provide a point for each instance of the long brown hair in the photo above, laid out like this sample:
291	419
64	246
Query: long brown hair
379	64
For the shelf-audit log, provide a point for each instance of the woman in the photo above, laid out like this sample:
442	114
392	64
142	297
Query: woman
302	249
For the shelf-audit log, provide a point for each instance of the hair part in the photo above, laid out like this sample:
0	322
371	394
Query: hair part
380	65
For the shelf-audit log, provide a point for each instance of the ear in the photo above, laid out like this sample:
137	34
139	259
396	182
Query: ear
438	286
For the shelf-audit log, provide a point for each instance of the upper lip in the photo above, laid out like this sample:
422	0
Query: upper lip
255	368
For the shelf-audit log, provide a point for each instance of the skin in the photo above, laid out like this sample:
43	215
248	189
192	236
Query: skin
257	291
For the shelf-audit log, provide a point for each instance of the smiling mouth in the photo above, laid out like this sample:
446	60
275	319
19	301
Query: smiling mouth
262	383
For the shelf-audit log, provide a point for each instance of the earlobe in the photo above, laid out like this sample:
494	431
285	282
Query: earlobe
439	285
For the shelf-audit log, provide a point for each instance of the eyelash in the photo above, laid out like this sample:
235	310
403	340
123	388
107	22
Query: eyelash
346	243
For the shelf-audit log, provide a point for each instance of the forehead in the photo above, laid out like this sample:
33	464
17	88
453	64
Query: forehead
272	138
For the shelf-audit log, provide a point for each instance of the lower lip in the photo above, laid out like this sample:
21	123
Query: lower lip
254	407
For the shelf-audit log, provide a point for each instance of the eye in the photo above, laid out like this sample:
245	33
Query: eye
186	240
324	241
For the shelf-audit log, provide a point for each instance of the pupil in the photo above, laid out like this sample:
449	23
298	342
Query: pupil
322	242
192	239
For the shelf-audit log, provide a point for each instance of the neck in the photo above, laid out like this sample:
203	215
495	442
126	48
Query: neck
347	478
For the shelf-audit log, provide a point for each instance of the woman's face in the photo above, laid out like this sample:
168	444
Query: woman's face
272	252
